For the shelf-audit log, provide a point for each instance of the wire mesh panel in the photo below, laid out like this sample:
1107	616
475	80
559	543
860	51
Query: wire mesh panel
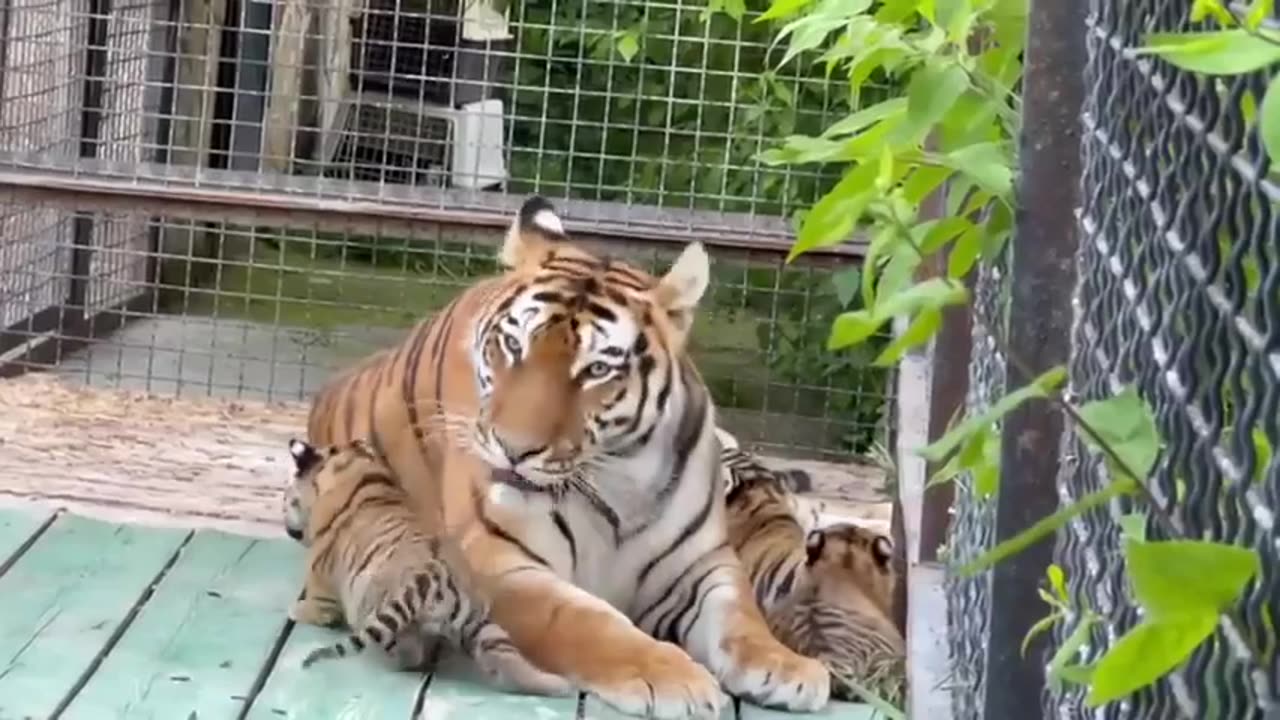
972	526
1179	295
269	307
646	118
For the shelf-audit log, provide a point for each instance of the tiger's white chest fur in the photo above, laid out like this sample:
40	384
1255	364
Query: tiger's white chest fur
639	533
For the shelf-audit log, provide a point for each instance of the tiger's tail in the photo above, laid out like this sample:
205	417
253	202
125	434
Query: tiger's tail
383	626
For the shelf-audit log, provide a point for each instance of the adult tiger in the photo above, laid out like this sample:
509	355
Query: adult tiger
565	382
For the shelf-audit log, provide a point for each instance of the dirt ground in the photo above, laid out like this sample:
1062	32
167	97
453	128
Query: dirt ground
127	456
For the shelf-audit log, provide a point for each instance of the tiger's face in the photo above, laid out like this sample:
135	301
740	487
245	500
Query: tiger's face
849	551
579	361
316	472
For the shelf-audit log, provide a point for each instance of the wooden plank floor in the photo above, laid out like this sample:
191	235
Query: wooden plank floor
101	620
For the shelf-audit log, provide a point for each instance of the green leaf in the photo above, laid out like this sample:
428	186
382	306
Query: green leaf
931	93
627	45
833	218
853	327
1258	12
986	474
1269	119
1057	581
987	163
919	332
1261	453
1077	674
1219	52
1200	9
846	282
1070	646
933	234
1146	653
1041	626
1038	388
1133	526
923	180
899	272
882	243
965	252
954	16
783	8
1188	577
884	175
1046	527
865	117
1123	423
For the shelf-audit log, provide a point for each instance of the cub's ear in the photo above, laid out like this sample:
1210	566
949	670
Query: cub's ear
680	290
537	228
304	455
814	542
882	550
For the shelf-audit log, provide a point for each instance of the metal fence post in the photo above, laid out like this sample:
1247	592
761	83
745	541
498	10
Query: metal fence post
1039	323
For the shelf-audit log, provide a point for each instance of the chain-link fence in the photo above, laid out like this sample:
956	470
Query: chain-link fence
232	197
1177	292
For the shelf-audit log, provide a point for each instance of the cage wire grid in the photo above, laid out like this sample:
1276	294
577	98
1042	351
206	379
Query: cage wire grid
645	115
1178	296
277	308
259	193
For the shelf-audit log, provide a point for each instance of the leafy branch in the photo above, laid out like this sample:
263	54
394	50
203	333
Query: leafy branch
954	130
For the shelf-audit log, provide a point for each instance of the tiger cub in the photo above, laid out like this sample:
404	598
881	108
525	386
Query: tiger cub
370	565
739	467
840	612
826	591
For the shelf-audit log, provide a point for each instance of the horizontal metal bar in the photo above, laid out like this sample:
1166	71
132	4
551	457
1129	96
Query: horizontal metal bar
180	191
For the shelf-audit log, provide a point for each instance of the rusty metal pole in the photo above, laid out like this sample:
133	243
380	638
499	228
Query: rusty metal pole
1039	328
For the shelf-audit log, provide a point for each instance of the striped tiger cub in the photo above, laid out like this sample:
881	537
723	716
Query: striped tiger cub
739	468
826	592
368	563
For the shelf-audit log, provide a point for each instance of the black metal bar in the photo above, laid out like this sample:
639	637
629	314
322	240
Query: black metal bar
252	60
95	61
1044	245
68	336
164	133
32	326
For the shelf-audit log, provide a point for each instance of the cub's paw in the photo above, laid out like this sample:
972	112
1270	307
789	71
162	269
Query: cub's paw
779	678
665	684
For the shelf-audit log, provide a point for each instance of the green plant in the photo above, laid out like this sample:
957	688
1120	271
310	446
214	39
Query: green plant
956	123
1243	45
660	104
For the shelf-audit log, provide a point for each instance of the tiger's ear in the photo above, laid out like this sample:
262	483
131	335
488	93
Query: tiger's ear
537	228
679	291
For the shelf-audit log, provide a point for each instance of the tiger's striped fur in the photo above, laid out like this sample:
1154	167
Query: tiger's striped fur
551	417
370	564
826	592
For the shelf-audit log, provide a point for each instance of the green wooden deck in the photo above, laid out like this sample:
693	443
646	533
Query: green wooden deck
103	621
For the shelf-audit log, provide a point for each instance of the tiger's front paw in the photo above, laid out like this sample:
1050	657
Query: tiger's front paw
664	683
773	676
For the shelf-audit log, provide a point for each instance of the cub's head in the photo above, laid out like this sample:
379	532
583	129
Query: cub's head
580	358
845	551
321	473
